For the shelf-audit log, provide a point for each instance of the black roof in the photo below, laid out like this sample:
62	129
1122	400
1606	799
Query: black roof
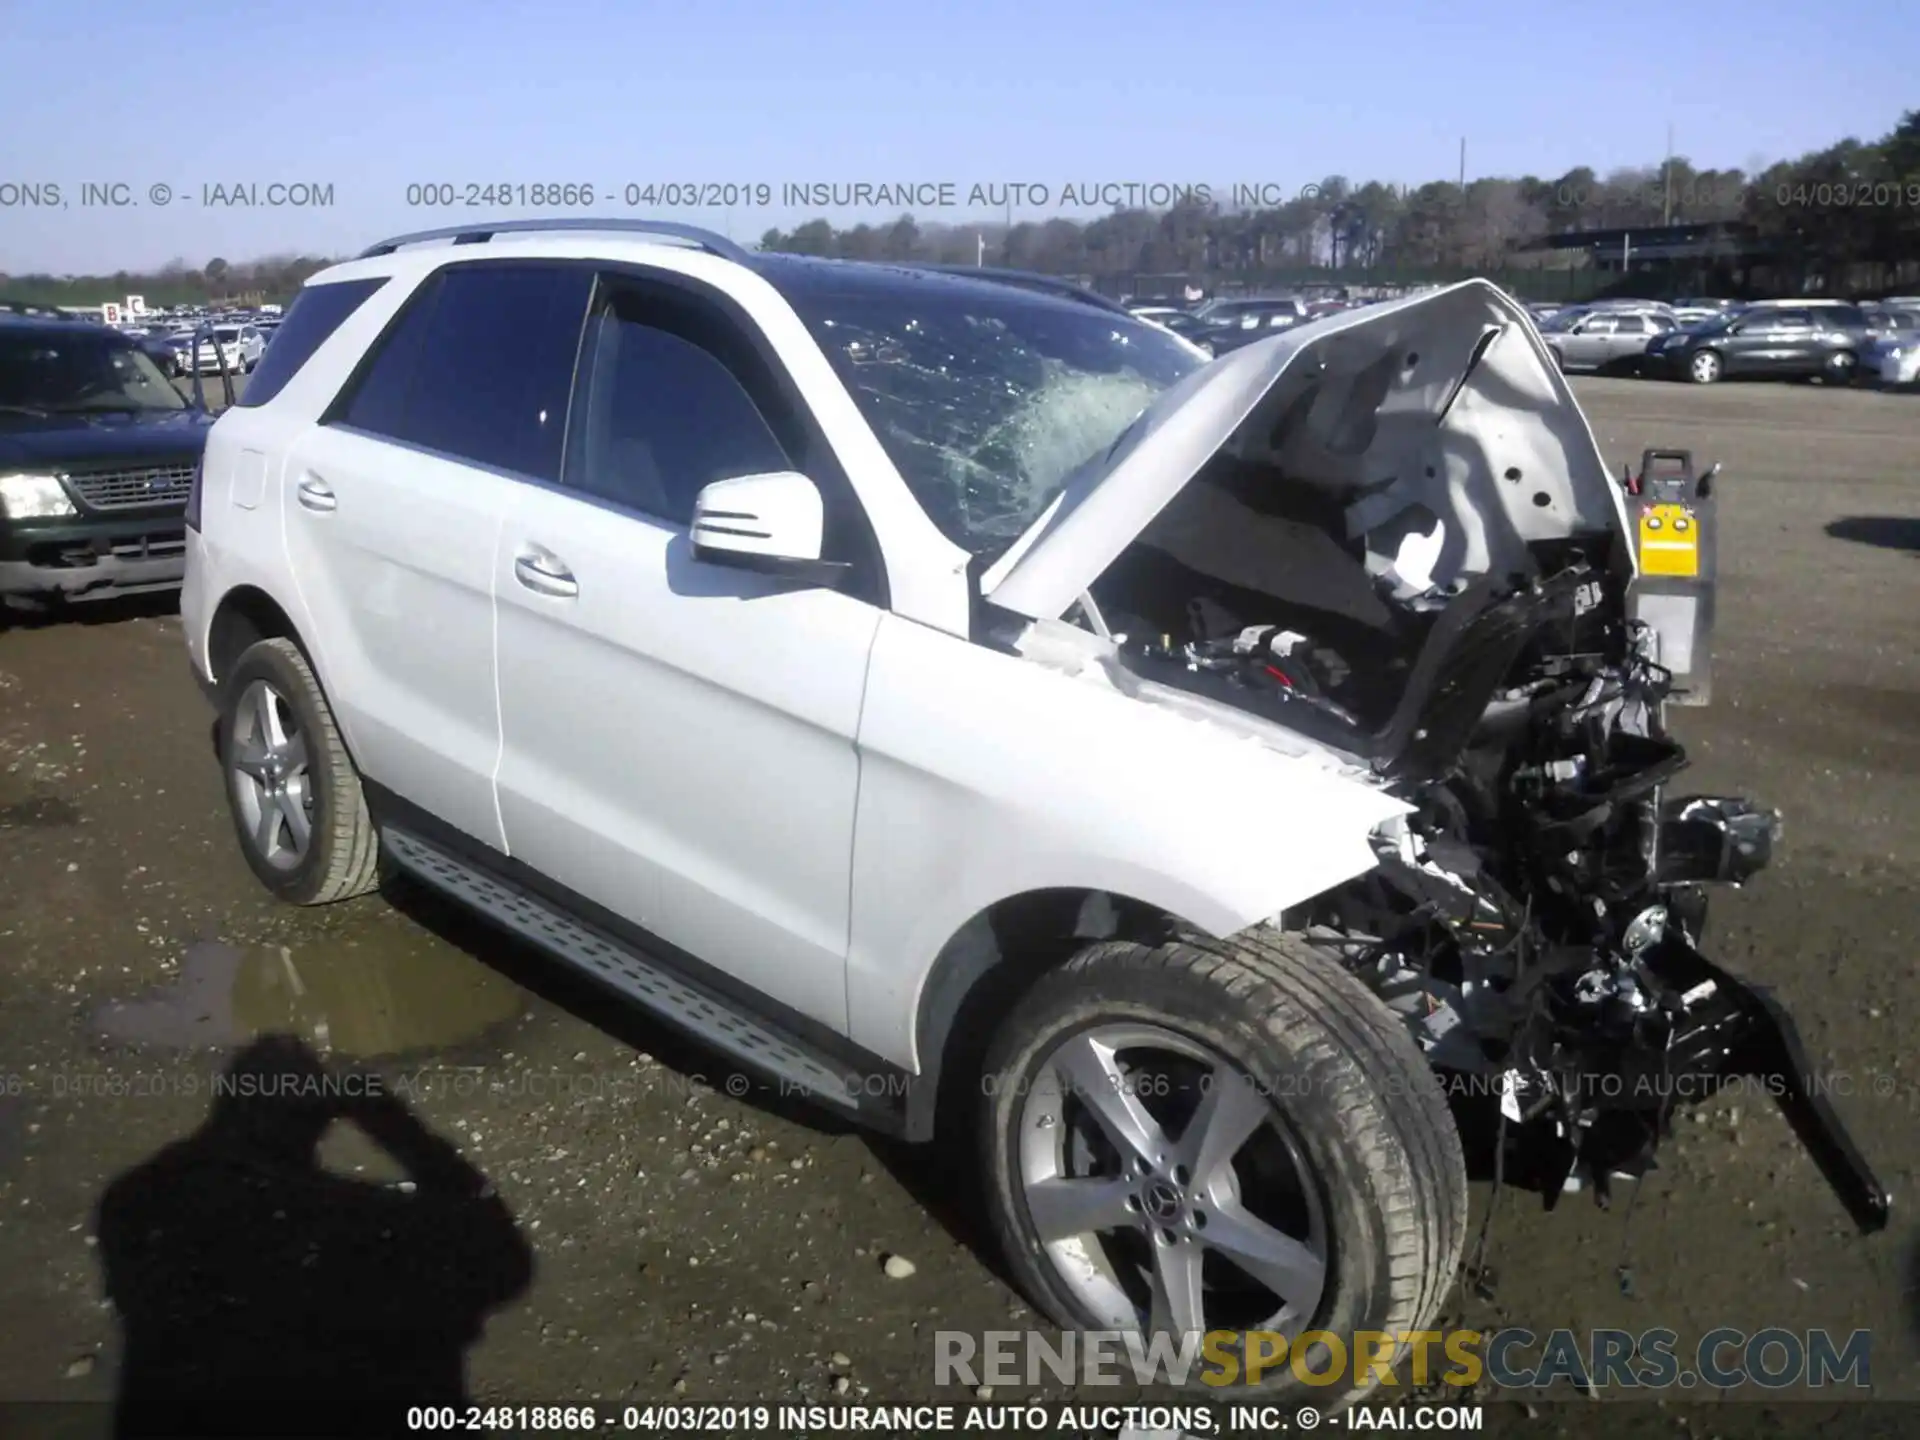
13	323
19	313
812	275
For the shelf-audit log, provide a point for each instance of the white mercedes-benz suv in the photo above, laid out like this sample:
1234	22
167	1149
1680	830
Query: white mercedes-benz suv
1213	786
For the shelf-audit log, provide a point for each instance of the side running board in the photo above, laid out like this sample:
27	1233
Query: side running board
620	967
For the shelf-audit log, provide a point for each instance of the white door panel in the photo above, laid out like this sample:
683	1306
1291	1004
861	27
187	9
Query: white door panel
391	550
679	742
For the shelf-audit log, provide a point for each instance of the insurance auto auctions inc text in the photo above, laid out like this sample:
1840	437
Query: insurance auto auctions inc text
1762	1362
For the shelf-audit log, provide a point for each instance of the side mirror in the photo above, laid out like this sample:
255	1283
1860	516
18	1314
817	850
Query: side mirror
771	524
1705	486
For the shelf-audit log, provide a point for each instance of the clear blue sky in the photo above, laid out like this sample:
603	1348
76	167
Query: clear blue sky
369	97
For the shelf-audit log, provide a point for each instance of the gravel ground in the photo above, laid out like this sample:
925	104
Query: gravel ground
662	1237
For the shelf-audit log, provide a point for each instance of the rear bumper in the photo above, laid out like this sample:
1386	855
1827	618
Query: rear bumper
90	559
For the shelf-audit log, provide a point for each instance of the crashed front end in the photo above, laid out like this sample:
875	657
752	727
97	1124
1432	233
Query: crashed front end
1392	535
1539	917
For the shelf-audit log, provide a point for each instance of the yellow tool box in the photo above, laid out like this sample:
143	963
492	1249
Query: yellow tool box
1672	511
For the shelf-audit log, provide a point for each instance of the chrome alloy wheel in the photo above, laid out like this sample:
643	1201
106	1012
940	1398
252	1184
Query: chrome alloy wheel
1164	1189
268	771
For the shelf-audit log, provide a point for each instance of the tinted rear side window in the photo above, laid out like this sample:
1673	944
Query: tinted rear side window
378	400
480	366
316	312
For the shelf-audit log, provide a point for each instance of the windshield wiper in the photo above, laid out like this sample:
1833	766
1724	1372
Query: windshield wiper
34	410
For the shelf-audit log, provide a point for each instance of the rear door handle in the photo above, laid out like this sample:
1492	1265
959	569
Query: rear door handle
545	573
316	494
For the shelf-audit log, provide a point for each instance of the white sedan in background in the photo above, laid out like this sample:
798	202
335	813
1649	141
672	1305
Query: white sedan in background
240	346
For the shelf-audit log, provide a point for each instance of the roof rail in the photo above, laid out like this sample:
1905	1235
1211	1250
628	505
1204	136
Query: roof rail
692	235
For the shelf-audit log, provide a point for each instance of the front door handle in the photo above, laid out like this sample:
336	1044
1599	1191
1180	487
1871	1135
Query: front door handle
316	494
545	573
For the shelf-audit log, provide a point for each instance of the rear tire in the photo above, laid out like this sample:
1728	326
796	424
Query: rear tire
1325	1074
298	810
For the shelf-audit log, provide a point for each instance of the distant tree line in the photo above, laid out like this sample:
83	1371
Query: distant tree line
252	282
1851	207
1847	216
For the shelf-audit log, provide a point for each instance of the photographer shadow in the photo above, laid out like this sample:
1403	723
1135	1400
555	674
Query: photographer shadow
260	1293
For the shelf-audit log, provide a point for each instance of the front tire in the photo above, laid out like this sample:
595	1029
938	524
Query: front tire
1705	367
296	801
1222	1135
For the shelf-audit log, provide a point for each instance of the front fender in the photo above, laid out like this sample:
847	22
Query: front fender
984	776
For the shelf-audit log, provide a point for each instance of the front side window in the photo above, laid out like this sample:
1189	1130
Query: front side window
661	415
987	399
85	371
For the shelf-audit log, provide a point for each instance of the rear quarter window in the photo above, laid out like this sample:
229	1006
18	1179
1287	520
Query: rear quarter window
316	312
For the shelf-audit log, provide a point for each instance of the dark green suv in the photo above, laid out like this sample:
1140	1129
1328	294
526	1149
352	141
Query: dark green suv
97	454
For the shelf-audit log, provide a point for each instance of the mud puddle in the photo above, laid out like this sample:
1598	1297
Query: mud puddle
343	998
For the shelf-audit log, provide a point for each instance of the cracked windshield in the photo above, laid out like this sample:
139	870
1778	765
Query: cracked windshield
986	406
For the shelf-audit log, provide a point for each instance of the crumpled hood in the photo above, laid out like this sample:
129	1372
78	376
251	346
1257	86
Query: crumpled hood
1448	400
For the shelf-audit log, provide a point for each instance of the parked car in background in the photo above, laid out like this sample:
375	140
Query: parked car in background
1892	359
1688	315
1184	323
1605	341
1232	311
1784	339
1624	305
97	457
179	352
1229	324
1885	320
158	348
240	346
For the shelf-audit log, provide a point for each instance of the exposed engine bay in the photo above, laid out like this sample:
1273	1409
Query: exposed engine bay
1537	917
1392	536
